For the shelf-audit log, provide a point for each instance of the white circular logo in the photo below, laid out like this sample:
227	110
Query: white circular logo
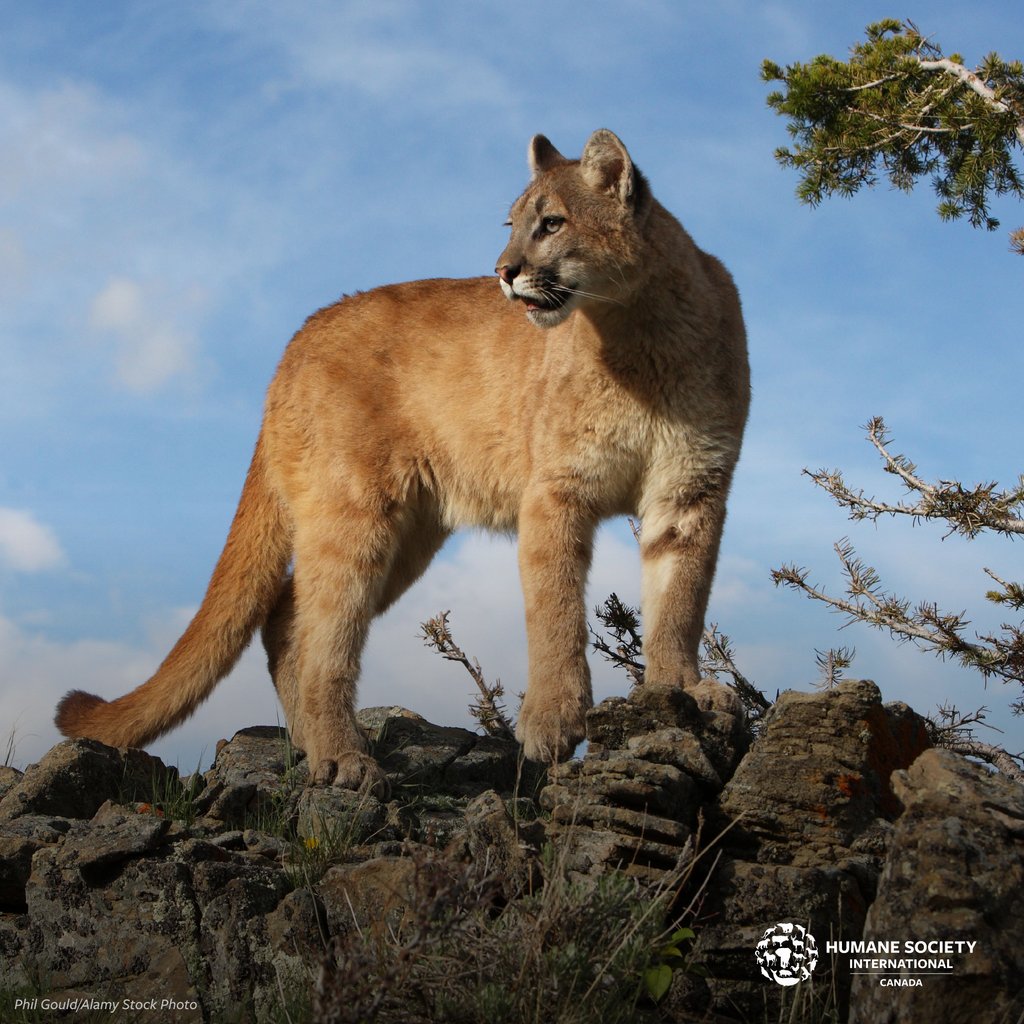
787	953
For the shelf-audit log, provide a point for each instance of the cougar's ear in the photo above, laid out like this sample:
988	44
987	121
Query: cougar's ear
606	165
542	156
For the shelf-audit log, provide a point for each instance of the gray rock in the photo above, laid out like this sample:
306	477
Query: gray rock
807	813
818	777
370	895
236	898
632	803
111	933
9	778
341	818
15	867
508	847
19	840
954	871
743	899
117	833
77	776
421	758
680	748
256	776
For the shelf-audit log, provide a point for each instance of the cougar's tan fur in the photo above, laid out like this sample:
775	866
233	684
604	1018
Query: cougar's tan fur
615	382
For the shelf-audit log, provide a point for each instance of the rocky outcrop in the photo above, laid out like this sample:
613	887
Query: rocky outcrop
805	822
221	892
954	872
224	894
653	762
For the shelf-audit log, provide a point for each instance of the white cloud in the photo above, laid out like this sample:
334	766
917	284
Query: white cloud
64	136
376	49
26	545
37	670
150	348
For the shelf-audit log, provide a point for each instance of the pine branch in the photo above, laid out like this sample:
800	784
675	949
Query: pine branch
625	644
952	730
901	108
975	84
832	664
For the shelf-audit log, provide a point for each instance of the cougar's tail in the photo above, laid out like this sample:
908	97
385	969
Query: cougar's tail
242	591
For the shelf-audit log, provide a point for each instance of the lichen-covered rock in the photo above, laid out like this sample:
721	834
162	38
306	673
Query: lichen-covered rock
77	777
254	776
806	815
819	774
509	847
107	928
632	802
19	840
955	870
342	817
228	912
15	867
9	778
420	757
236	898
372	894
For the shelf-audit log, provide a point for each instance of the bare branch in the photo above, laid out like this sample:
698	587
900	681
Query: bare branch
953	730
718	658
967	511
926	626
487	709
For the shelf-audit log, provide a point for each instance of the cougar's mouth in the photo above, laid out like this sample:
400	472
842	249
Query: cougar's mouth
546	303
548	297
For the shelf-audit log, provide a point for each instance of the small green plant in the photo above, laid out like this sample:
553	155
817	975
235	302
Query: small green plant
310	857
10	745
669	957
329	836
174	797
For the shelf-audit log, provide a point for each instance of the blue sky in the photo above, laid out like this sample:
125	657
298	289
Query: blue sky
183	184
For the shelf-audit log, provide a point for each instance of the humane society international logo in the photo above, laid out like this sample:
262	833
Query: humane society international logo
787	953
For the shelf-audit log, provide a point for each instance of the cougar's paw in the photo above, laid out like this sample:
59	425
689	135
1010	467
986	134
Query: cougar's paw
355	771
711	695
550	732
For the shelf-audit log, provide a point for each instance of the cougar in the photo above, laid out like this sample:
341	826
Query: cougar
607	375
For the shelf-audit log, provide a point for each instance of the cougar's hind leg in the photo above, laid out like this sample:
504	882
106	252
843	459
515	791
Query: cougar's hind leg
282	658
421	537
342	564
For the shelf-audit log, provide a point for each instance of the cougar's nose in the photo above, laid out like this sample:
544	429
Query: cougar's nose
508	272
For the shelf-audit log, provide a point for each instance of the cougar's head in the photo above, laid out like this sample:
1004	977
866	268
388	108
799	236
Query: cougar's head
576	240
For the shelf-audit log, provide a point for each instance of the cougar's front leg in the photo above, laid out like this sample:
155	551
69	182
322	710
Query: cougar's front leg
679	540
555	543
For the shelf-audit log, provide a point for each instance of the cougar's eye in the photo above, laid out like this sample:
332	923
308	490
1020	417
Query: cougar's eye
549	225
